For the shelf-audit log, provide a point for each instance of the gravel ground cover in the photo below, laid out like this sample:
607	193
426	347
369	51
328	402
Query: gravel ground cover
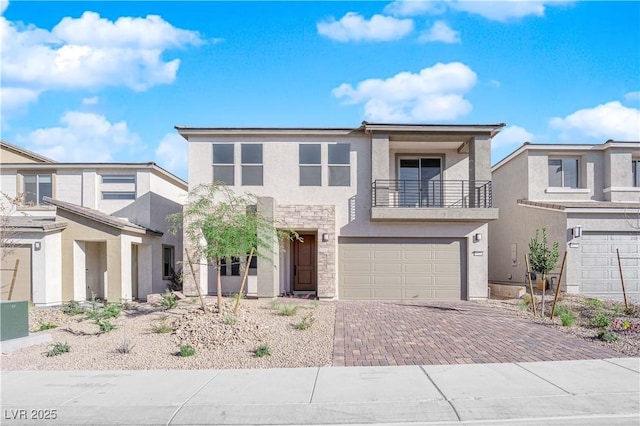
605	322
220	341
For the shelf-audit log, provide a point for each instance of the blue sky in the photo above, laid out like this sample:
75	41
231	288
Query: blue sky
107	81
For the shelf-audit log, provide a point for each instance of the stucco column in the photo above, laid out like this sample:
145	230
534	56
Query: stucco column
479	166
268	261
380	168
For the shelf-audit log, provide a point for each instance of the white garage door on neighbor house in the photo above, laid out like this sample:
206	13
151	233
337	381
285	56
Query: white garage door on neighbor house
402	269
600	272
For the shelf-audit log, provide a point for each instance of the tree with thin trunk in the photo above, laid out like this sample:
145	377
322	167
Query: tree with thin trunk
8	230
543	259
220	224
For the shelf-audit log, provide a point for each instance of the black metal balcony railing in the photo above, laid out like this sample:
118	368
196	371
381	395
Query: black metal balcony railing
432	193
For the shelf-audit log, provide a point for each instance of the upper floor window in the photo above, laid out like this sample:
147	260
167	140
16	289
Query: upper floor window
339	164
118	195
251	157
118	178
563	172
310	164
635	167
36	186
223	156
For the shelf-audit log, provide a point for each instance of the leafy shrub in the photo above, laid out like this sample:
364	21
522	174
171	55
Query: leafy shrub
168	301
567	318
594	303
601	320
162	327
288	310
186	350
525	303
275	305
73	308
607	336
112	310
305	323
229	319
125	347
58	349
105	325
46	326
263	350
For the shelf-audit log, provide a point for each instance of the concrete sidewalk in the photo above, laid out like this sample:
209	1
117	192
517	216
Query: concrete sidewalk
588	392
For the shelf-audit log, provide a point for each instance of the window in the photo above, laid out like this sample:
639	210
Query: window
563	173
118	195
310	166
223	170
635	167
339	164
35	187
251	164
118	179
229	267
168	261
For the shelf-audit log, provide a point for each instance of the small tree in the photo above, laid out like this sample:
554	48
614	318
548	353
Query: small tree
8	230
220	224
543	259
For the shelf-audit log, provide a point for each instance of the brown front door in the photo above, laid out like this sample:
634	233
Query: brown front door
304	263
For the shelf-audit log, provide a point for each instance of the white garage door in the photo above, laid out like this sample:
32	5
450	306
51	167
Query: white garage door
401	269
600	273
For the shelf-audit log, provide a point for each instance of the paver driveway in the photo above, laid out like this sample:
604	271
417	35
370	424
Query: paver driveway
415	333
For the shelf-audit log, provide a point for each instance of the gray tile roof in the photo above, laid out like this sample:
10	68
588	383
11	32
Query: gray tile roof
101	217
34	224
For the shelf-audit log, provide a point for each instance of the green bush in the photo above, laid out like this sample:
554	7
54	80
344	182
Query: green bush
288	310
46	326
73	308
601	320
607	336
305	323
168	301
186	350
105	325
58	349
567	319
229	319
275	305
594	303
525	303
162	327
263	350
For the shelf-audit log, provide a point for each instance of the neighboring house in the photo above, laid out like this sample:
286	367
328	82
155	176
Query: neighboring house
85	229
386	211
588	198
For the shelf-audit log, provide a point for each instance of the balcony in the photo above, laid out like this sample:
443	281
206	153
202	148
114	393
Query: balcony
446	200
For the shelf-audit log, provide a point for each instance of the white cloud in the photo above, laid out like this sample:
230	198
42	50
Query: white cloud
494	83
353	27
503	11
511	136
90	101
3	6
13	98
91	52
414	7
441	32
172	154
632	96
435	93
606	121
83	137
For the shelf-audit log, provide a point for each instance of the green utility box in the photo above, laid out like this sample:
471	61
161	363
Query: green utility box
14	320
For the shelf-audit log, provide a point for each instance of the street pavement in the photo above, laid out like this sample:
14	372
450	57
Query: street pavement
584	392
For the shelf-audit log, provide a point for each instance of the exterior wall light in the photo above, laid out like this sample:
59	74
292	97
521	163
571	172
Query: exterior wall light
577	231
36	245
477	237
325	237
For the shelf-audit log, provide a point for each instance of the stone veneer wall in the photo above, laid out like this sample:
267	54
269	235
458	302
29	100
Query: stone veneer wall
322	219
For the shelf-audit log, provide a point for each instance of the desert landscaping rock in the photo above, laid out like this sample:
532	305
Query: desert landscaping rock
218	345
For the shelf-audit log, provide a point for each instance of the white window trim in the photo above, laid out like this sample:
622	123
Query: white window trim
566	190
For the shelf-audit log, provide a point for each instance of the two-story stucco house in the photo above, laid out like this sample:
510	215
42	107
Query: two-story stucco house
88	229
588	198
386	211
